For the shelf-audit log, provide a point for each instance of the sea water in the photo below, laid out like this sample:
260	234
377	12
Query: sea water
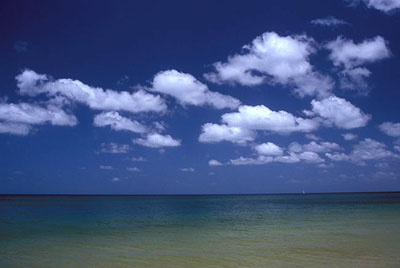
311	230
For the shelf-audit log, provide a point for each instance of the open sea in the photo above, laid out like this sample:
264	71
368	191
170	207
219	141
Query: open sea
311	230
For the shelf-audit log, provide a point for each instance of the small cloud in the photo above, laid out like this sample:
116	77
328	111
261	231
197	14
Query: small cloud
123	80
21	46
187	169
133	169
114	148
214	162
211	173
349	136
115	179
138	159
329	21
106	167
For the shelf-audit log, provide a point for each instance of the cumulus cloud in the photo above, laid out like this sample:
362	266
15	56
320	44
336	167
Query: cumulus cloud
339	112
155	140
268	148
350	56
261	117
31	83
212	133
273	58
133	169
367	149
138	159
346	53
214	162
189	91
387	6
329	21
349	136
390	129
306	157
18	118
105	167
114	148
187	169
315	147
118	122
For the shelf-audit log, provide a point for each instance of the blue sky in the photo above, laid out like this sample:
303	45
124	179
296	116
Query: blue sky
159	97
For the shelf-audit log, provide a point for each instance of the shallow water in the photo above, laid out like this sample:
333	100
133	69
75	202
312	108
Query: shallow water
312	230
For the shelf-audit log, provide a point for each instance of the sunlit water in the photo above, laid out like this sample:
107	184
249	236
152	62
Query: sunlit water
315	230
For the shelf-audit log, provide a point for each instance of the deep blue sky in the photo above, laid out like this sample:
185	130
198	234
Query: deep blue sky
122	44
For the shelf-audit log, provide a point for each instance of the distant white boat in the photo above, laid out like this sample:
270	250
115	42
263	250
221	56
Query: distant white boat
304	192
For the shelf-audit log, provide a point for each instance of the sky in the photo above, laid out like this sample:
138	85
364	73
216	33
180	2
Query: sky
205	97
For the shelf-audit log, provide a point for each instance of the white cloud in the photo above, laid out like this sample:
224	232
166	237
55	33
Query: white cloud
329	21
339	112
133	169
189	91
138	159
118	122
291	158
268	148
105	167
15	128
261	117
212	133
367	149
391	129
32	84
18	118
386	6
274	59
115	179
312	137
310	157
187	169
114	148
349	54
214	162
315	147
349	136
155	140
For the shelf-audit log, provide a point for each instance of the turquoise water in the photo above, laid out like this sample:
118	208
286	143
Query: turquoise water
312	230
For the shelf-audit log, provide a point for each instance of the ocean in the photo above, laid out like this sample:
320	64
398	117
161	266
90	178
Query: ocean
288	230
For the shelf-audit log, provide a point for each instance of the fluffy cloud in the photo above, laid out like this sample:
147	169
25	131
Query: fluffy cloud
350	55
306	157
189	91
118	122
386	6
329	21
274	59
214	162
187	169
268	148
349	136
315	147
212	133
261	117
133	169
347	53
391	129
339	112
155	140
32	84
114	148
367	149
18	118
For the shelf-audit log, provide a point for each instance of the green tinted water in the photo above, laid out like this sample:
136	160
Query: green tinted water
331	230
